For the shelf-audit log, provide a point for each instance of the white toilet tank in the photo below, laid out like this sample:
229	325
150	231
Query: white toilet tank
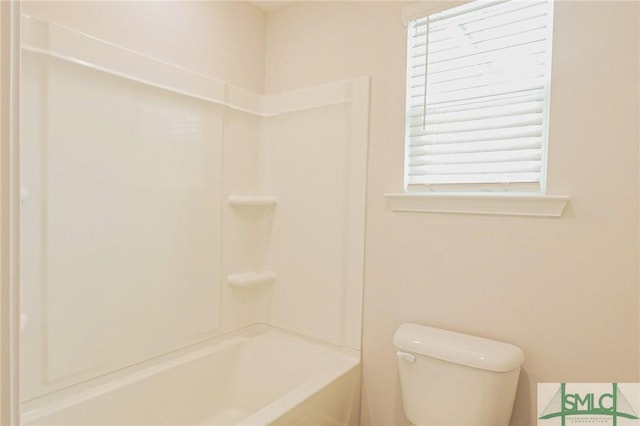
450	378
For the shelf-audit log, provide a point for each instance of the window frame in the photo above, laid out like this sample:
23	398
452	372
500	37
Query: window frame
420	11
503	203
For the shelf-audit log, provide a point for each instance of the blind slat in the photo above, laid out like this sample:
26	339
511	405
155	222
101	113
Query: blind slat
493	157
481	135
472	10
486	92
457	47
479	125
478	114
484	146
502	29
479	106
475	178
484	80
475	168
466	66
493	56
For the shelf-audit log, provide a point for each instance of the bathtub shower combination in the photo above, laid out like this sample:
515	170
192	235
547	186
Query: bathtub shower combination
257	376
171	270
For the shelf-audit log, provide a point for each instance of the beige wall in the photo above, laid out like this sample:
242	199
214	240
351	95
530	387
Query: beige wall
224	40
565	290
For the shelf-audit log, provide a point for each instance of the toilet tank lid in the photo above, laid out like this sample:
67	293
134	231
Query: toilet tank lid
458	348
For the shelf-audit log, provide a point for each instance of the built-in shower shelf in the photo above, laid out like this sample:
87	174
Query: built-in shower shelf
251	279
252	200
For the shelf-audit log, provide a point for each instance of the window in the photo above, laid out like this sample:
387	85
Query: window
478	97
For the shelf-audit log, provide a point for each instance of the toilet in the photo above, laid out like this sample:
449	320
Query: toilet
449	378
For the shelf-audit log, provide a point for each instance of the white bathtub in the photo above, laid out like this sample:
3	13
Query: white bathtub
258	376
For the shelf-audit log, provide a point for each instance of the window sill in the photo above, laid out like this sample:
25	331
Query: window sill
509	204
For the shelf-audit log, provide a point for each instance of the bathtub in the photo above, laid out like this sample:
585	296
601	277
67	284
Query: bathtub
257	376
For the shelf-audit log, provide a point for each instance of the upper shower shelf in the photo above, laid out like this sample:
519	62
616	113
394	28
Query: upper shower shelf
252	201
54	40
251	279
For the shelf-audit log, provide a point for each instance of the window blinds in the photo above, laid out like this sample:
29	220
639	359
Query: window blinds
477	96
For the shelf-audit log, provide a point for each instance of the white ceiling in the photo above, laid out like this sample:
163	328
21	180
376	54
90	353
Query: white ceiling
268	5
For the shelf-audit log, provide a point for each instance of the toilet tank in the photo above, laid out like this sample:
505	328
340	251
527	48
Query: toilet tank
449	378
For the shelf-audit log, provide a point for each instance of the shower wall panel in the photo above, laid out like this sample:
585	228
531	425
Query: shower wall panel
121	221
317	156
310	161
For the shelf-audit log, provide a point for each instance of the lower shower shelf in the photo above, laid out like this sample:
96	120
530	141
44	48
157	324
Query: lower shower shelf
251	279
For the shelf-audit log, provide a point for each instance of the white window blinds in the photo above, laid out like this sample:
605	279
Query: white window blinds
477	97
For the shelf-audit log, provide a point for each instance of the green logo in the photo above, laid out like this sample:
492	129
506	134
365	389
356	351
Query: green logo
564	404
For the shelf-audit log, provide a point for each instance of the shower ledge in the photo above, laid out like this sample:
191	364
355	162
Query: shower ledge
252	200
251	279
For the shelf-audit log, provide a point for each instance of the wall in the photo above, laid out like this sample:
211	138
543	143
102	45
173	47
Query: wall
5	365
197	36
565	290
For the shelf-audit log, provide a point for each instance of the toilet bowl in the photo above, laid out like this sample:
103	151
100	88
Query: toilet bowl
449	378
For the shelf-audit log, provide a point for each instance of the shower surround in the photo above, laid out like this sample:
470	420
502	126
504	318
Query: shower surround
165	213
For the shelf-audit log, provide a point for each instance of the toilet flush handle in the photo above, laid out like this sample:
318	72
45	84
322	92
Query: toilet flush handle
406	356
